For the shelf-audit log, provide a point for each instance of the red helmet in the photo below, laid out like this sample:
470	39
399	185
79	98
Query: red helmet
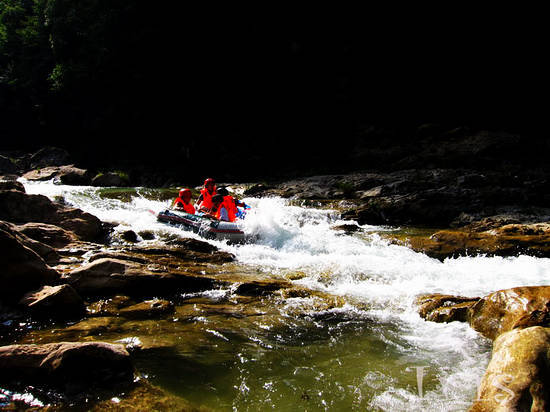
185	192
209	180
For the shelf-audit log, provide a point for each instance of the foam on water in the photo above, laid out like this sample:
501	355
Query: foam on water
384	277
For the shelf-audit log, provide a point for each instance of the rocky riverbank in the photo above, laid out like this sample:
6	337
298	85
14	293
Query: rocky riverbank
64	273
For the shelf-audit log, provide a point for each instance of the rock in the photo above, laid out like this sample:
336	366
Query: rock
147	309
59	302
68	175
69	365
46	252
444	308
7	165
23	208
129	236
260	288
188	249
518	375
49	156
508	240
507	309
11	185
22	269
51	235
110	179
113	276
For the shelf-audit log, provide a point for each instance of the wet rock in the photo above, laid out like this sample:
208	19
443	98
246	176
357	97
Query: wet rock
507	309
188	249
110	179
23	269
22	208
518	375
56	302
68	175
69	365
148	309
508	240
11	185
129	236
112	276
444	308
260	288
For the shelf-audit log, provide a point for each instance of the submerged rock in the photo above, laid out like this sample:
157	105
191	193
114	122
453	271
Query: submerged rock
69	365
518	375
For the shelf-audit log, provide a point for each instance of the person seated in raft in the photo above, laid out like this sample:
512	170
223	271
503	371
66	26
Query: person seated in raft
204	201
218	210
183	202
230	203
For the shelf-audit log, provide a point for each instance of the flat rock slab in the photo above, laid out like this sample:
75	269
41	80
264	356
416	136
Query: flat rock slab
66	364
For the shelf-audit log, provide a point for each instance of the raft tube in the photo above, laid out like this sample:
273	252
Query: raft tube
204	226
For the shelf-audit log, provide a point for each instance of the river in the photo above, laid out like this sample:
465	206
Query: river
373	352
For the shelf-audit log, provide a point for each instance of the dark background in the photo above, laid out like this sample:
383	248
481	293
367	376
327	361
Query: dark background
251	94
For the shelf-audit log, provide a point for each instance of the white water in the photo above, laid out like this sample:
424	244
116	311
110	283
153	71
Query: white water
384	279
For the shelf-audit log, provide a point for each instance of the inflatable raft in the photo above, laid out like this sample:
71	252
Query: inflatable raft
204	226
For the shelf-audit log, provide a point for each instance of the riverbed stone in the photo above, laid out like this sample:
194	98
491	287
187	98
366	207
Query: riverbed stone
518	375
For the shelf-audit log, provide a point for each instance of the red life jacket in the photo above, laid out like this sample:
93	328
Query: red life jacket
229	205
207	198
187	207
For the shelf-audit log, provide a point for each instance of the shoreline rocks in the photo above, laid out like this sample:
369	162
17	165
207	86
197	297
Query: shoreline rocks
518	322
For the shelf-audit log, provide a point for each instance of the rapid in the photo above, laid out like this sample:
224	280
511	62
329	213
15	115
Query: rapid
373	352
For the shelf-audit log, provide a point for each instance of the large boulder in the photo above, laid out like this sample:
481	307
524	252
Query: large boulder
69	365
507	309
23	208
507	240
22	269
45	251
67	174
518	375
440	308
56	302
50	235
49	156
113	276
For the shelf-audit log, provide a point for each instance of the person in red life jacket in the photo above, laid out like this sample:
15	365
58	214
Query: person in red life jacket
218	210
204	202
183	202
229	203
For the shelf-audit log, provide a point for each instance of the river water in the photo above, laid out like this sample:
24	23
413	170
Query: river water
373	352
